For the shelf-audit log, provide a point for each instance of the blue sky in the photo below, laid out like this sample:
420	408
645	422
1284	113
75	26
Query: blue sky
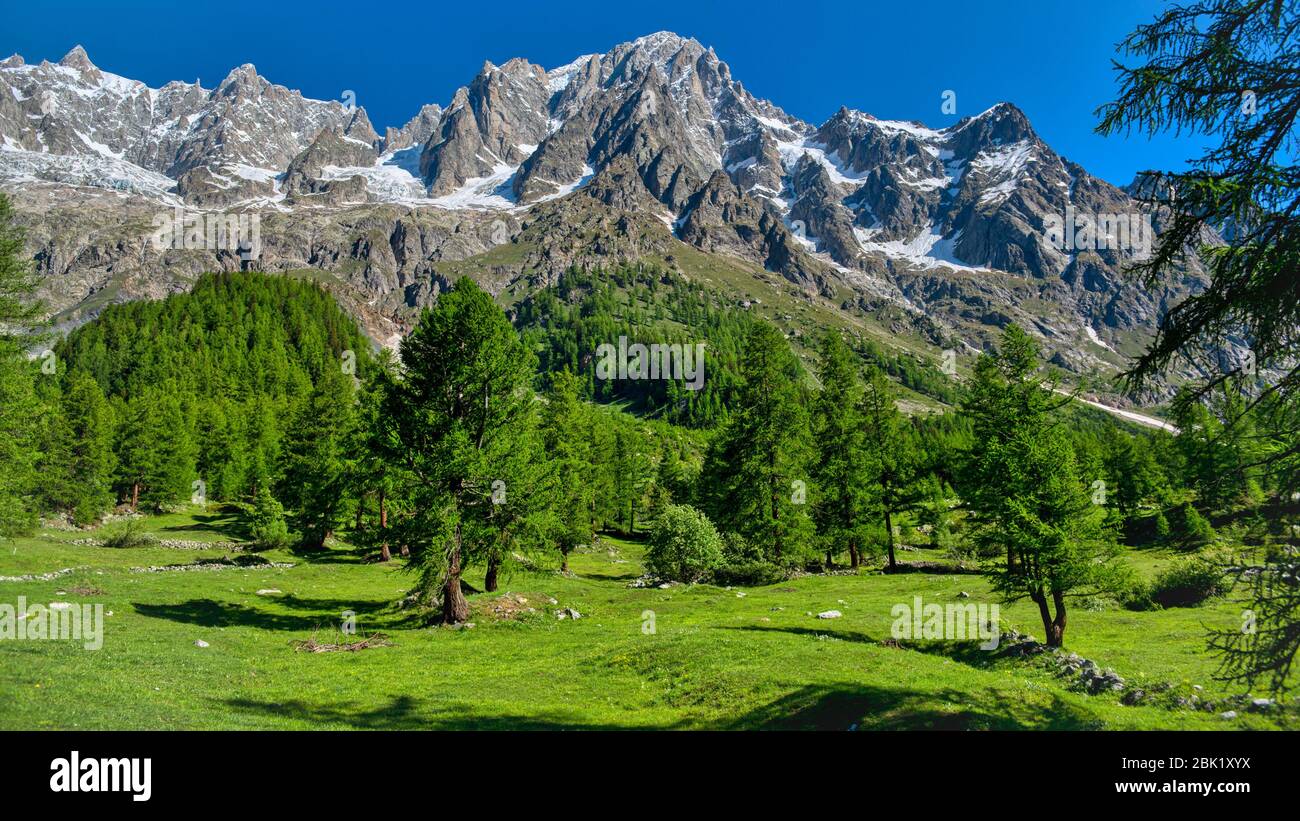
892	59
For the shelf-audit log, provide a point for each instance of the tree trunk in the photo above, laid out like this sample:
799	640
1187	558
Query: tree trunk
1056	637
830	560
455	609
854	560
889	534
1044	612
1053	628
384	553
776	512
135	496
490	580
564	561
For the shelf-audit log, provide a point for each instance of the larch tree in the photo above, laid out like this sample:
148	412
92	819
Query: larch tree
1023	489
317	458
756	474
568	446
462	403
19	435
891	454
843	502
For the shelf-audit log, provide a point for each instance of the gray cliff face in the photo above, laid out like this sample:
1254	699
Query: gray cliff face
493	123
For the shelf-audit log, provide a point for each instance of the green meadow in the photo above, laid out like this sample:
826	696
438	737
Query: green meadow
684	657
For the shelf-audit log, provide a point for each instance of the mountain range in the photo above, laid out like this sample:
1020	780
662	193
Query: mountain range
922	237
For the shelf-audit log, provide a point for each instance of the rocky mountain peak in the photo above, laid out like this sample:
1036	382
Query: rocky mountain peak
243	80
78	59
491	127
1002	124
416	131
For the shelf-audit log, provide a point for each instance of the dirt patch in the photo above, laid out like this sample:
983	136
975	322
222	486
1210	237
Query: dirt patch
311	645
509	607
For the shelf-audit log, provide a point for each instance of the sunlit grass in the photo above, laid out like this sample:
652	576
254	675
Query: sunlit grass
715	658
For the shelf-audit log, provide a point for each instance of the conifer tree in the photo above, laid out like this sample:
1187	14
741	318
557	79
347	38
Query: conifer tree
891	454
88	462
1022	486
568	446
757	471
155	451
839	473
463	402
316	458
19	433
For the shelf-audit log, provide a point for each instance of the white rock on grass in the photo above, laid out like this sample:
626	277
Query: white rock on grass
200	643
269	591
829	614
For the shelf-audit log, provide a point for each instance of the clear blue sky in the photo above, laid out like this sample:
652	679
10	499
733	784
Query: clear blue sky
892	59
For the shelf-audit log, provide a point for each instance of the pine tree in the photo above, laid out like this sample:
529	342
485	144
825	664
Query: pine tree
1022	486
267	524
316	458
892	464
19	417
1218	443
373	474
1132	472
155	451
520	519
758	461
87	473
463	403
842	502
568	446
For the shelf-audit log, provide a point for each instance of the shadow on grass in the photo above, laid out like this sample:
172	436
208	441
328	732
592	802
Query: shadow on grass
323	614
228	522
965	652
405	713
842	635
818	707
329	555
813	707
609	572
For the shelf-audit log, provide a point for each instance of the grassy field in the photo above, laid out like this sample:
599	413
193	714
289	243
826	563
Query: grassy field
717	659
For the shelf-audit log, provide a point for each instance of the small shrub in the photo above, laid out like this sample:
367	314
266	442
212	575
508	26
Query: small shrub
130	533
748	573
1190	529
684	545
1137	596
1187	583
267	524
1163	530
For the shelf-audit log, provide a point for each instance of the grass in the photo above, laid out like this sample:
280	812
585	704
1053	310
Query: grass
716	659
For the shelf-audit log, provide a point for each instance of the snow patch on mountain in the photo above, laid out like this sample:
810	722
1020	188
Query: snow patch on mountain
111	173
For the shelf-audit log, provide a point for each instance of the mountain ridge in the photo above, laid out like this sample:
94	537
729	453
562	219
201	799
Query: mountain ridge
948	223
